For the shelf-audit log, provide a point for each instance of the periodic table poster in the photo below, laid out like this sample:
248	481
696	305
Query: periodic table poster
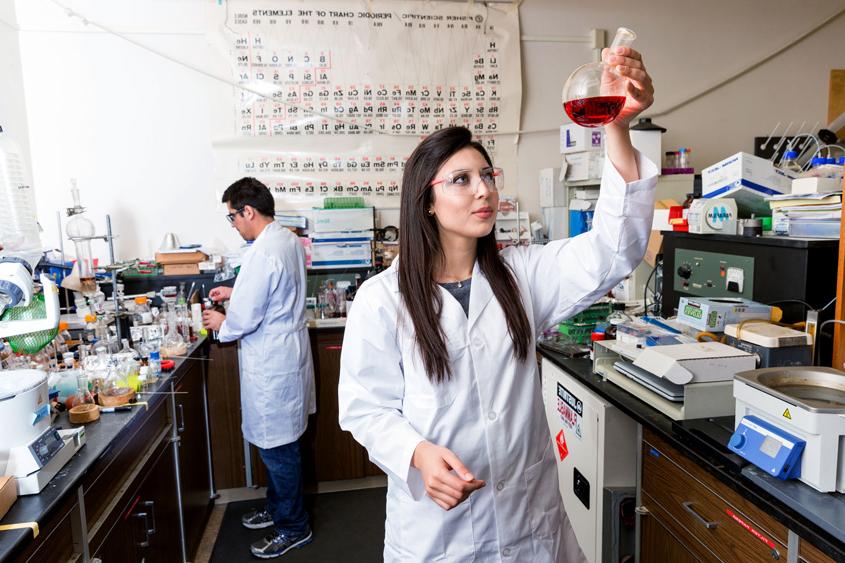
334	95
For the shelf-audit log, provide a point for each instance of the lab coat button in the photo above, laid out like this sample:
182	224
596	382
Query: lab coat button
506	552
500	485
492	415
477	343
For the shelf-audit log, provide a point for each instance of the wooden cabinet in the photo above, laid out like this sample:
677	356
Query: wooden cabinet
336	454
224	407
192	452
144	526
690	516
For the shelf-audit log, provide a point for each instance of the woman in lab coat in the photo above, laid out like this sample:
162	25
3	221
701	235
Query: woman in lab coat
441	387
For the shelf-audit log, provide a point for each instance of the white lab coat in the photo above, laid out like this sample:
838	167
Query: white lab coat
267	314
491	412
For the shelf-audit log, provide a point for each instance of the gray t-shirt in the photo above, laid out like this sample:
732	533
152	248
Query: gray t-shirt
460	291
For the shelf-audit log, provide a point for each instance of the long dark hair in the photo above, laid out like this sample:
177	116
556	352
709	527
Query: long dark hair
421	253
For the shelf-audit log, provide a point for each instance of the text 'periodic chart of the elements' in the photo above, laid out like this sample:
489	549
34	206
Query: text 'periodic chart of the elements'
334	96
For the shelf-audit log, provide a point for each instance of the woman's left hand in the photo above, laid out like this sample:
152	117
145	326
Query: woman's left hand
640	95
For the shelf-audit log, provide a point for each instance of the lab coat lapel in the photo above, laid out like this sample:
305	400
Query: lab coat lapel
480	294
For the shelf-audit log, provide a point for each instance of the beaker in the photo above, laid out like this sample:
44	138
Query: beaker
594	93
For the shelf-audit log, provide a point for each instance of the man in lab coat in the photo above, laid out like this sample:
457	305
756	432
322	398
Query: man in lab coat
266	313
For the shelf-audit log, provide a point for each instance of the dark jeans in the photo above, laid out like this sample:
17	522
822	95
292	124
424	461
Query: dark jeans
284	488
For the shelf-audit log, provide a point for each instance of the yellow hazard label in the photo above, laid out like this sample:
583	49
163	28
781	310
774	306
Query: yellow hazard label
787	415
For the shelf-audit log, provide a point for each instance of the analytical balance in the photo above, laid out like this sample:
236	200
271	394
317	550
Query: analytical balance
782	410
31	450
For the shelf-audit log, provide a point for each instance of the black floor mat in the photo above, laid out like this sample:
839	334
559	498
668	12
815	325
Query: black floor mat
347	526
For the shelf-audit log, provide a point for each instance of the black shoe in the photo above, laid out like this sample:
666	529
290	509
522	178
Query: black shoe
257	519
278	543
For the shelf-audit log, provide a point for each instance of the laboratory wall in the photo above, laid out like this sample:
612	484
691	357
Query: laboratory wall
12	102
137	129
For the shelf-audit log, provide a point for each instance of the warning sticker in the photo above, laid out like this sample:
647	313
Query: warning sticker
562	449
571	409
787	415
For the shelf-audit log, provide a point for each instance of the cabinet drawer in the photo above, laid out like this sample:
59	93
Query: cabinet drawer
730	527
674	535
109	472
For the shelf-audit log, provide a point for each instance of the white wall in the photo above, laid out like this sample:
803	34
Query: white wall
12	102
137	130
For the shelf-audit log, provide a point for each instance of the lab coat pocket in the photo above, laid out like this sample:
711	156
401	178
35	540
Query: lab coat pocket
434	534
543	497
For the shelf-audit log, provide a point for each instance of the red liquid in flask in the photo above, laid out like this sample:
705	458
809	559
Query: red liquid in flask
595	111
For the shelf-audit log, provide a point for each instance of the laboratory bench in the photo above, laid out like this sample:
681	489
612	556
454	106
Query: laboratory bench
700	502
140	488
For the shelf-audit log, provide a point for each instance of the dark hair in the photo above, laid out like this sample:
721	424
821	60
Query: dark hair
249	191
421	253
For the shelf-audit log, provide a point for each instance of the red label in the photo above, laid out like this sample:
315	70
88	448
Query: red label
562	450
749	529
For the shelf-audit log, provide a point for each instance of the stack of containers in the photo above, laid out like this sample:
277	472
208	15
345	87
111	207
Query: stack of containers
583	151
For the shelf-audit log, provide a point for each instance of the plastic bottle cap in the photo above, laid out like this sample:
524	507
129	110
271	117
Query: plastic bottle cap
791	154
62	326
90	318
817	160
841	161
140	300
155	356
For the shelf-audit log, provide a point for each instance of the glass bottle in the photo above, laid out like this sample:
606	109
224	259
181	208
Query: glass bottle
80	229
142	315
594	93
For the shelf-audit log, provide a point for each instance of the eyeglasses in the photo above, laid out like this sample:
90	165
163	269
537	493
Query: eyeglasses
231	216
460	182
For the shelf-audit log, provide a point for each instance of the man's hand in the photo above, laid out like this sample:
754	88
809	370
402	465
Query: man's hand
221	293
439	467
211	320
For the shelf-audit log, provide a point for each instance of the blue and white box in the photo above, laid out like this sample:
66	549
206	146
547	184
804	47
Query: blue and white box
574	138
746	178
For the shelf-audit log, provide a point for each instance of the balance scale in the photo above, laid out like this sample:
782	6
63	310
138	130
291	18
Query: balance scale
31	450
791	423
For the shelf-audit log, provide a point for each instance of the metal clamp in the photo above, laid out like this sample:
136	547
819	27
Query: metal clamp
688	507
642	511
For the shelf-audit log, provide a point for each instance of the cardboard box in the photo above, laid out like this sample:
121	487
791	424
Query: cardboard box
584	166
184	257
816	185
574	138
552	190
746	178
181	269
8	494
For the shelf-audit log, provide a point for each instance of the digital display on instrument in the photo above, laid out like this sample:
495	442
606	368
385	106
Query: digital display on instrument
770	447
46	446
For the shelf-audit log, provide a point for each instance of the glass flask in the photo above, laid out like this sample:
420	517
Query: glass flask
594	93
80	229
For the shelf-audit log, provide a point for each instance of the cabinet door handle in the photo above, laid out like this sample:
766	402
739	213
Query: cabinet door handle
146	542
642	511
333	348
151	505
181	427
688	507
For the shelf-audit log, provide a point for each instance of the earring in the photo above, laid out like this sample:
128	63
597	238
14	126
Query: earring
431	211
